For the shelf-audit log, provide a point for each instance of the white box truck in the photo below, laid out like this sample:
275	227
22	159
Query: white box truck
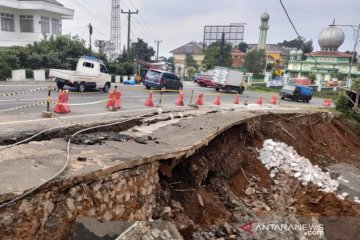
90	73
228	80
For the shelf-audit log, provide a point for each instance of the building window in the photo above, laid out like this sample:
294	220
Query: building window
55	24
45	25
26	23
7	22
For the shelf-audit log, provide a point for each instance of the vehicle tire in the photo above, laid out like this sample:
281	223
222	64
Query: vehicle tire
227	89
296	99
147	87
180	88
217	89
241	90
81	87
282	98
60	85
106	87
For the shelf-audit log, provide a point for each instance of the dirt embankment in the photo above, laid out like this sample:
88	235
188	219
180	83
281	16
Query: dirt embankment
225	185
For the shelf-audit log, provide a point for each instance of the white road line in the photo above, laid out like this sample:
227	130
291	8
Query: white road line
77	116
87	115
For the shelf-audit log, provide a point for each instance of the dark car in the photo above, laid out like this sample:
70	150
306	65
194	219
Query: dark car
296	93
158	79
205	81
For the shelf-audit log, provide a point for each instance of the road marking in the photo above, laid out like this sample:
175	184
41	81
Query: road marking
24	85
87	115
76	116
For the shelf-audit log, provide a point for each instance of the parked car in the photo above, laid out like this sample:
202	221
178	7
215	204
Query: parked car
90	73
296	93
159	79
196	76
205	81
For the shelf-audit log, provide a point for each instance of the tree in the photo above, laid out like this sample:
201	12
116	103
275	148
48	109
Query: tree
254	61
212	55
191	71
102	45
299	43
355	56
190	62
243	47
141	50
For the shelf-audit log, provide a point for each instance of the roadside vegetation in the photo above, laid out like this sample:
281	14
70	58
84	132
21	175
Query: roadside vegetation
347	110
63	52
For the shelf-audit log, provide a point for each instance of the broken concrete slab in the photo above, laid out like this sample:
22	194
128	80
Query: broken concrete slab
91	229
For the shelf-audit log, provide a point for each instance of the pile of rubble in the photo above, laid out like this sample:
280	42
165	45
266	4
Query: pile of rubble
279	156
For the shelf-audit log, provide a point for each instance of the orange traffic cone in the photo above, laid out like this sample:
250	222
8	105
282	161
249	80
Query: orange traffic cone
180	100
199	101
149	102
237	101
327	103
217	100
259	101
62	105
273	100
113	101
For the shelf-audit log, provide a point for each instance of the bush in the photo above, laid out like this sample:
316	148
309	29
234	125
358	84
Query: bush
258	76
29	73
5	72
342	103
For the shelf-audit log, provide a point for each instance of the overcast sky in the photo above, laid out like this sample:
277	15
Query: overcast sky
177	22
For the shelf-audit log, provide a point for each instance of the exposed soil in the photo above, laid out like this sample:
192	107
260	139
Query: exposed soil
225	182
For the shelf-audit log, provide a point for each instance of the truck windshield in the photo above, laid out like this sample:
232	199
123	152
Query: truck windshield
289	87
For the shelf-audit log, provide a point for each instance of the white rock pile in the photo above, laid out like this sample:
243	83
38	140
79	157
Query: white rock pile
278	156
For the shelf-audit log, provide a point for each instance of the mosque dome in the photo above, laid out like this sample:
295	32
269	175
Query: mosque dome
265	16
331	38
292	52
300	52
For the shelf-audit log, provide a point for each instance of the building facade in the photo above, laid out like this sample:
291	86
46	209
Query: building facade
193	49
26	21
326	64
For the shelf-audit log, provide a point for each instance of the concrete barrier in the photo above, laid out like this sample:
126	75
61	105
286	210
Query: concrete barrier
117	79
39	75
18	75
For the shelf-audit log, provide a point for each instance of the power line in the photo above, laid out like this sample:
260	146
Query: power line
146	28
301	38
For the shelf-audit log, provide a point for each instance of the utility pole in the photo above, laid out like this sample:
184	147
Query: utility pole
129	20
222	53
90	33
157	49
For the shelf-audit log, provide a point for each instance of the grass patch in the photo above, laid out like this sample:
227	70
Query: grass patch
328	94
263	88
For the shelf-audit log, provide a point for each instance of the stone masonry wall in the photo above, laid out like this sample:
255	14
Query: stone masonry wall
49	214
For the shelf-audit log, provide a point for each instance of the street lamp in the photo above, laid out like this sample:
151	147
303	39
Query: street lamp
356	39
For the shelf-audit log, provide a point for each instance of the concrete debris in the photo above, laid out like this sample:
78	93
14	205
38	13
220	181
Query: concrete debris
279	156
158	230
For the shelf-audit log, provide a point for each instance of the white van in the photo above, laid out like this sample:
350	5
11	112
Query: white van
90	73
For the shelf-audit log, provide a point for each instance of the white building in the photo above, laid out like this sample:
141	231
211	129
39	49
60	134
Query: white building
26	21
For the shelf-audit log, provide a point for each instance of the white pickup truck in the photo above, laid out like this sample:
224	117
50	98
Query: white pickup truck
90	73
228	80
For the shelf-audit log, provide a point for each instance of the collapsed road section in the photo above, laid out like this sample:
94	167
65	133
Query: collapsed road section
210	174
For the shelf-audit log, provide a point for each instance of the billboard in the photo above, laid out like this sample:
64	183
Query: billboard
234	34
